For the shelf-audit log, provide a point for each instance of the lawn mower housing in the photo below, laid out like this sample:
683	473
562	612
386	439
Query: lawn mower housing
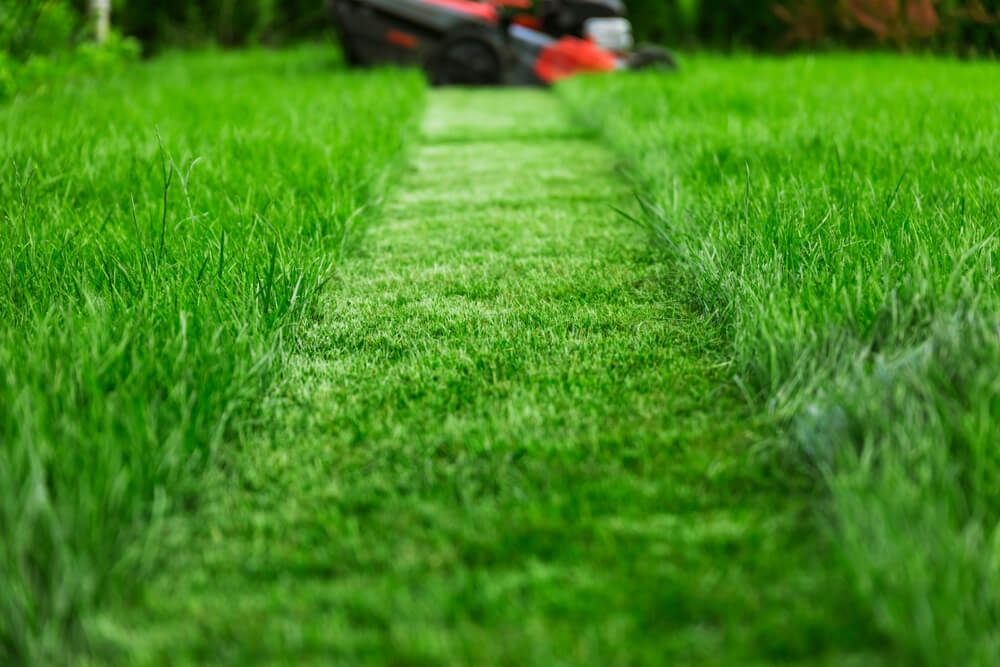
497	42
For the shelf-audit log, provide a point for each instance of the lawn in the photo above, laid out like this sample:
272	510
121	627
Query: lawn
285	379
161	236
837	217
504	441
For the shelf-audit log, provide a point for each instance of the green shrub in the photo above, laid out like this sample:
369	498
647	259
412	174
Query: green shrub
729	23
30	27
45	70
6	76
664	21
43	42
226	22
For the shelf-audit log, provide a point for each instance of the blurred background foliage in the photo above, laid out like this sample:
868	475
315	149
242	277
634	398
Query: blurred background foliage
46	41
967	27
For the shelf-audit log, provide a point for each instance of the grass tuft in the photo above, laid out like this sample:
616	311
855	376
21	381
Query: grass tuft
839	214
125	362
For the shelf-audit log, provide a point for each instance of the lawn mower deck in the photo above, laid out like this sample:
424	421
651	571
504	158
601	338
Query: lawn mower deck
497	42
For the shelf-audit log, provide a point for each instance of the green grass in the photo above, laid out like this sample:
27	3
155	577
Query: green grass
502	442
501	427
838	218
161	235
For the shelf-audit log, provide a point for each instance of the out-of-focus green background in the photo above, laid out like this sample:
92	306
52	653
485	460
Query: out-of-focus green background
968	27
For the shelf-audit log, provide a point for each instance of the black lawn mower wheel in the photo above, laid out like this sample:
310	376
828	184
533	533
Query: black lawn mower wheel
468	57
649	57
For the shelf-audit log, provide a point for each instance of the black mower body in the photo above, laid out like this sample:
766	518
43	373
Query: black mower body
404	32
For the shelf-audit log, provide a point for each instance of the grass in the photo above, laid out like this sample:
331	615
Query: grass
501	443
500	427
837	218
161	236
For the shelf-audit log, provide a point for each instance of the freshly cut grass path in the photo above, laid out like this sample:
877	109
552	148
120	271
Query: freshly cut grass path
502	443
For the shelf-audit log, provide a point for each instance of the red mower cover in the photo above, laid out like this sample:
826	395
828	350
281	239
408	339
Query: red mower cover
570	56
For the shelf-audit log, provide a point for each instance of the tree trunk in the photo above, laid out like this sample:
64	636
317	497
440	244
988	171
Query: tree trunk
102	15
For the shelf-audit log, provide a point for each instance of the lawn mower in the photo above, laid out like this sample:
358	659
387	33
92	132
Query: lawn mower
493	42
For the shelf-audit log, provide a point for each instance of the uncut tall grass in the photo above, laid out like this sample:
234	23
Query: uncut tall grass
160	235
839	217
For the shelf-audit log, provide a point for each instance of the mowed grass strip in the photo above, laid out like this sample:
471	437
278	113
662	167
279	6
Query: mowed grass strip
838	216
503	443
160	236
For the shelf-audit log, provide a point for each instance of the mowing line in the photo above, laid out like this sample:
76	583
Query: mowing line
503	443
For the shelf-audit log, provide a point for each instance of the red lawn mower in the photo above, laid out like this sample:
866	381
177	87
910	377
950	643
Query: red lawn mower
493	42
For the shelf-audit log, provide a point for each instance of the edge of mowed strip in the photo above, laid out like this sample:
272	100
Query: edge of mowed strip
164	232
839	215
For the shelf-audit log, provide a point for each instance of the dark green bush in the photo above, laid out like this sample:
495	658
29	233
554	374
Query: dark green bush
225	22
737	23
715	23
43	43
30	27
86	59
664	21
